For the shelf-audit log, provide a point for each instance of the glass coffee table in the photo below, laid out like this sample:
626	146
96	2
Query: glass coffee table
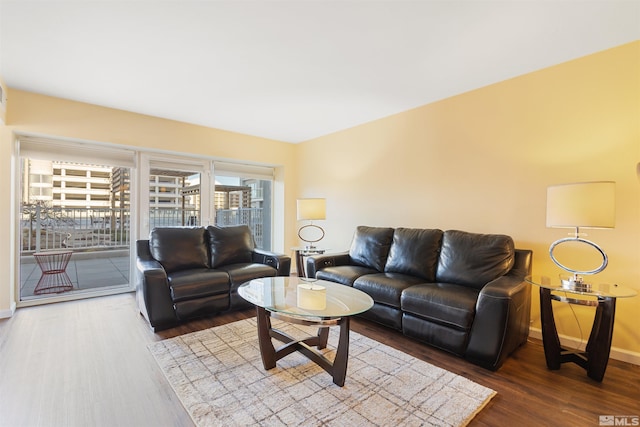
305	302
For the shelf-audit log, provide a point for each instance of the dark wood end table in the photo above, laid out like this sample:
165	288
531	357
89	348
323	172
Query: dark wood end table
596	355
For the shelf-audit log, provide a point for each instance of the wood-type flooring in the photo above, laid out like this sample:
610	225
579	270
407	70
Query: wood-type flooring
86	363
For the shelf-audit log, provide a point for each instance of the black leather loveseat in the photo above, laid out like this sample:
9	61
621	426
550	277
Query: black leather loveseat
187	272
462	292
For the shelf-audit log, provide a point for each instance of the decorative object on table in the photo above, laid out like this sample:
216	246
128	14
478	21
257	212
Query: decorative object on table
580	205
311	296
216	374
311	210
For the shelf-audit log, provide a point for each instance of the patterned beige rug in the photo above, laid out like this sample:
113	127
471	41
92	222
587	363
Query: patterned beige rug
218	375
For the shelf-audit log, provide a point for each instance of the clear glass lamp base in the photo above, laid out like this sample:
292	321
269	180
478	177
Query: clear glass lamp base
575	283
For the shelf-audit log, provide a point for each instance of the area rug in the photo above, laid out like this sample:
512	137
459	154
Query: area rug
218	376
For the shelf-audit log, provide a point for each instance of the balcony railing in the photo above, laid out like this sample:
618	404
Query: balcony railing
249	216
173	217
47	228
252	217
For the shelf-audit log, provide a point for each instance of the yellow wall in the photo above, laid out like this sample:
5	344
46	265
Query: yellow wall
29	112
482	161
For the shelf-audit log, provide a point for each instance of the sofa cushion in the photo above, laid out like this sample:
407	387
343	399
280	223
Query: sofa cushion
385	288
473	259
197	283
344	274
179	248
370	246
444	303
230	245
240	273
415	252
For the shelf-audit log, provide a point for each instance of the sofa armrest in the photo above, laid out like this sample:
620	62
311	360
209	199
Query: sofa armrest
152	289
281	262
318	262
503	313
501	323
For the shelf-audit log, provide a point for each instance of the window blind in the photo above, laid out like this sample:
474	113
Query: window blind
243	170
44	148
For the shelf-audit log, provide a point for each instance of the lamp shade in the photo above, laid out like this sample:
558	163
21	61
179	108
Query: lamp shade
310	209
584	205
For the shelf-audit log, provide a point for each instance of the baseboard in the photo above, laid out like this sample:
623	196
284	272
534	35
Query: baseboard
4	314
572	342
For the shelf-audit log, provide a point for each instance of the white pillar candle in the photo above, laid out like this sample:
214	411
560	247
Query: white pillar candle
312	297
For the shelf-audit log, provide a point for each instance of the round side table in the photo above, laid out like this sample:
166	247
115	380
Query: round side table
300	253
596	355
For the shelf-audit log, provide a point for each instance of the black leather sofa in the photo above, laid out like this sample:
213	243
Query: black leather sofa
462	292
188	272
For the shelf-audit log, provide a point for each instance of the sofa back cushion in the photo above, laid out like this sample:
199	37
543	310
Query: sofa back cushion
230	245
415	252
179	248
472	259
370	246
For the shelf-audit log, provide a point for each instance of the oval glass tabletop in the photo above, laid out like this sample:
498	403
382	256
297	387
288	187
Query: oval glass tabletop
326	299
605	290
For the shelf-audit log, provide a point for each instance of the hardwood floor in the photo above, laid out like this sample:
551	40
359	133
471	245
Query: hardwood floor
85	363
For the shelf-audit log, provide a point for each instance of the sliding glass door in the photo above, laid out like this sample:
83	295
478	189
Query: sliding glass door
244	195
181	192
83	205
175	193
75	229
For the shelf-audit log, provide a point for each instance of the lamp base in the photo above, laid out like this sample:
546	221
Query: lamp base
577	239
575	284
310	238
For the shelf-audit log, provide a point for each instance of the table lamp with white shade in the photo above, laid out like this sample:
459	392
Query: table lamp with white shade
580	205
311	210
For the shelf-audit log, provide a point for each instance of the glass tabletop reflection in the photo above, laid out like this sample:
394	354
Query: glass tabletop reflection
280	294
605	290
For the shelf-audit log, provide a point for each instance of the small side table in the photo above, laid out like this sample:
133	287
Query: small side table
54	277
596	355
300	253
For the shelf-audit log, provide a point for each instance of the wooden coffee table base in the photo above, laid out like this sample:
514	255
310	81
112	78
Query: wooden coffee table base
337	369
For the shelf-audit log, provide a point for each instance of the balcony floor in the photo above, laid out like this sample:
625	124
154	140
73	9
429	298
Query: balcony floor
87	271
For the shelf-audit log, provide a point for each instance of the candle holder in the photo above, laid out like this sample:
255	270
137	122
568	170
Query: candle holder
311	296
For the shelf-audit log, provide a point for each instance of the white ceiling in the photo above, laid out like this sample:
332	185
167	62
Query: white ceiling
292	70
